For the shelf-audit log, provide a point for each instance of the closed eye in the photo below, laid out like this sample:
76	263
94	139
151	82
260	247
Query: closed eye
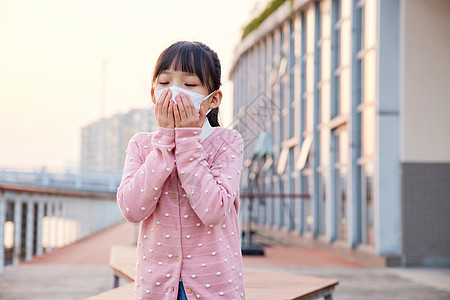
190	85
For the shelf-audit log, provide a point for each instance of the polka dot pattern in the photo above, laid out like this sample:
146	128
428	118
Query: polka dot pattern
182	192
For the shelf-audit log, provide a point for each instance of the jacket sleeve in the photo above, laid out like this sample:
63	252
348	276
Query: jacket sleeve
213	189
144	176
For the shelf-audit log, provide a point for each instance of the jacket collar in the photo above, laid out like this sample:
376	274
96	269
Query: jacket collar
207	129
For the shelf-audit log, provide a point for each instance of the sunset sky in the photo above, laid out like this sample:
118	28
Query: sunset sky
51	58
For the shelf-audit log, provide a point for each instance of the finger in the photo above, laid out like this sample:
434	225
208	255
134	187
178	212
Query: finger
166	100
190	107
157	109
202	115
159	104
181	106
187	105
162	96
170	112
193	110
167	103
163	105
176	114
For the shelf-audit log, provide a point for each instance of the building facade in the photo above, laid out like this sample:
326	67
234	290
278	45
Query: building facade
354	95
106	152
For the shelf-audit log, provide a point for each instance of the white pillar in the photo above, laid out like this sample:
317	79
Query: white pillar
17	229
49	216
57	221
29	228
53	222
40	216
90	212
79	218
73	220
63	221
84	218
2	229
101	205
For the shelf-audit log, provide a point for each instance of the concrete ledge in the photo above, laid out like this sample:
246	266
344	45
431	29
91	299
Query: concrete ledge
362	254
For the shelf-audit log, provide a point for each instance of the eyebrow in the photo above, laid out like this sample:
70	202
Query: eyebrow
170	72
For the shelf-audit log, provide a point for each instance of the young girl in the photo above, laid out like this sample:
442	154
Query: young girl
181	183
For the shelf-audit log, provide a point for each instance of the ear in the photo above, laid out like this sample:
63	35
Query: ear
216	99
152	95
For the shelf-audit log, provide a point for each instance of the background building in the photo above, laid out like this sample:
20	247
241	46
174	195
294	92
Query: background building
354	95
109	157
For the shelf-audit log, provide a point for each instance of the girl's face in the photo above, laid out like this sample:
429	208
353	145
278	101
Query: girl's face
188	81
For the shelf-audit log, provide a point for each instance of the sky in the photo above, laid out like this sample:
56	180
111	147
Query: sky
51	56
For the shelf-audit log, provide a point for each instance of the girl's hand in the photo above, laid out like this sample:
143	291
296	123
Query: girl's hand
185	113
164	110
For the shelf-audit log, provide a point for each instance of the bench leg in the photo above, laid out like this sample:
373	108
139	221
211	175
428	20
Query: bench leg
116	281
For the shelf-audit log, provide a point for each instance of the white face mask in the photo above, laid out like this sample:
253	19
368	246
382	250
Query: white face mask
196	98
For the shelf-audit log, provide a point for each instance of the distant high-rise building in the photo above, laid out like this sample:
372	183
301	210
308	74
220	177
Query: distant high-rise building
117	133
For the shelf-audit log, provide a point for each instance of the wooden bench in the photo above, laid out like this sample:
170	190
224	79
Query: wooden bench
123	262
259	285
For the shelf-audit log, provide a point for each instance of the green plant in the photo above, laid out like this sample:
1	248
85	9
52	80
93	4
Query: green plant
270	8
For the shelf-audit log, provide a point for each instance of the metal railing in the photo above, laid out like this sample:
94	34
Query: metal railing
95	182
34	220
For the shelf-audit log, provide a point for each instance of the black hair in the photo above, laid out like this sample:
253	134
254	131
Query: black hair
196	58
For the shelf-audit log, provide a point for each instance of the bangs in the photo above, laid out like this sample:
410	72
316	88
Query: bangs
186	57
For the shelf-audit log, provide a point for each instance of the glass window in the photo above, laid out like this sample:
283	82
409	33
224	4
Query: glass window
322	204
268	70
341	170
310	45
299	203
307	188
276	92
291	103
297	74
368	205
342	206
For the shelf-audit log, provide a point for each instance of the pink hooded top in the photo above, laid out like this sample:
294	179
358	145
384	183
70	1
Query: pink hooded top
184	191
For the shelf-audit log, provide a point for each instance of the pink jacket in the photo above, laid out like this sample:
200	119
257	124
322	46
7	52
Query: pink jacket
185	193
